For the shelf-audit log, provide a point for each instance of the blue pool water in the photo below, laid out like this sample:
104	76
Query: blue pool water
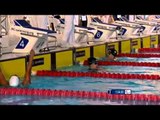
88	84
139	59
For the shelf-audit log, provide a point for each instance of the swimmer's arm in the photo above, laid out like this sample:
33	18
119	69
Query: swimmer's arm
27	79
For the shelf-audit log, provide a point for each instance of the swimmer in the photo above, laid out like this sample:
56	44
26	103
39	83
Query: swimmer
93	63
14	81
112	53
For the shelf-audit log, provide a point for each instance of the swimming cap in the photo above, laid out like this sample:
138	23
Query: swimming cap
92	60
14	81
112	51
33	73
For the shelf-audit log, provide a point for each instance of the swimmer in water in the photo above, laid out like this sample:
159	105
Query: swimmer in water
112	53
14	81
93	65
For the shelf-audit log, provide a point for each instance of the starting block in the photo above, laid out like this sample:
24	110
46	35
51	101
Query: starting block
28	42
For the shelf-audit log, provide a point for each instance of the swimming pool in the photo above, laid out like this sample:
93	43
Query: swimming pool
139	59
87	84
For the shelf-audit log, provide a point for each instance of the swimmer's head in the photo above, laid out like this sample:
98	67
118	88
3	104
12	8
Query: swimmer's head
14	81
112	52
92	60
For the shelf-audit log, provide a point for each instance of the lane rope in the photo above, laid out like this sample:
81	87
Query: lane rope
149	50
138	55
79	94
96	75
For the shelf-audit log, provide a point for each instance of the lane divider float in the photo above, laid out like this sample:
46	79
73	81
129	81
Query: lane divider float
79	94
140	55
118	63
149	50
96	75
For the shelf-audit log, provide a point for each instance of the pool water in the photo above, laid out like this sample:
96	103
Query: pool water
117	69
87	84
138	59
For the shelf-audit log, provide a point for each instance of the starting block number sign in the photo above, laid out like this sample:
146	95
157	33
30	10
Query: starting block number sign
26	43
22	44
98	34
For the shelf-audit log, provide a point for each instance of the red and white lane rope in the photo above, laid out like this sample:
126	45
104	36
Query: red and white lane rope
79	94
138	55
149	50
96	75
